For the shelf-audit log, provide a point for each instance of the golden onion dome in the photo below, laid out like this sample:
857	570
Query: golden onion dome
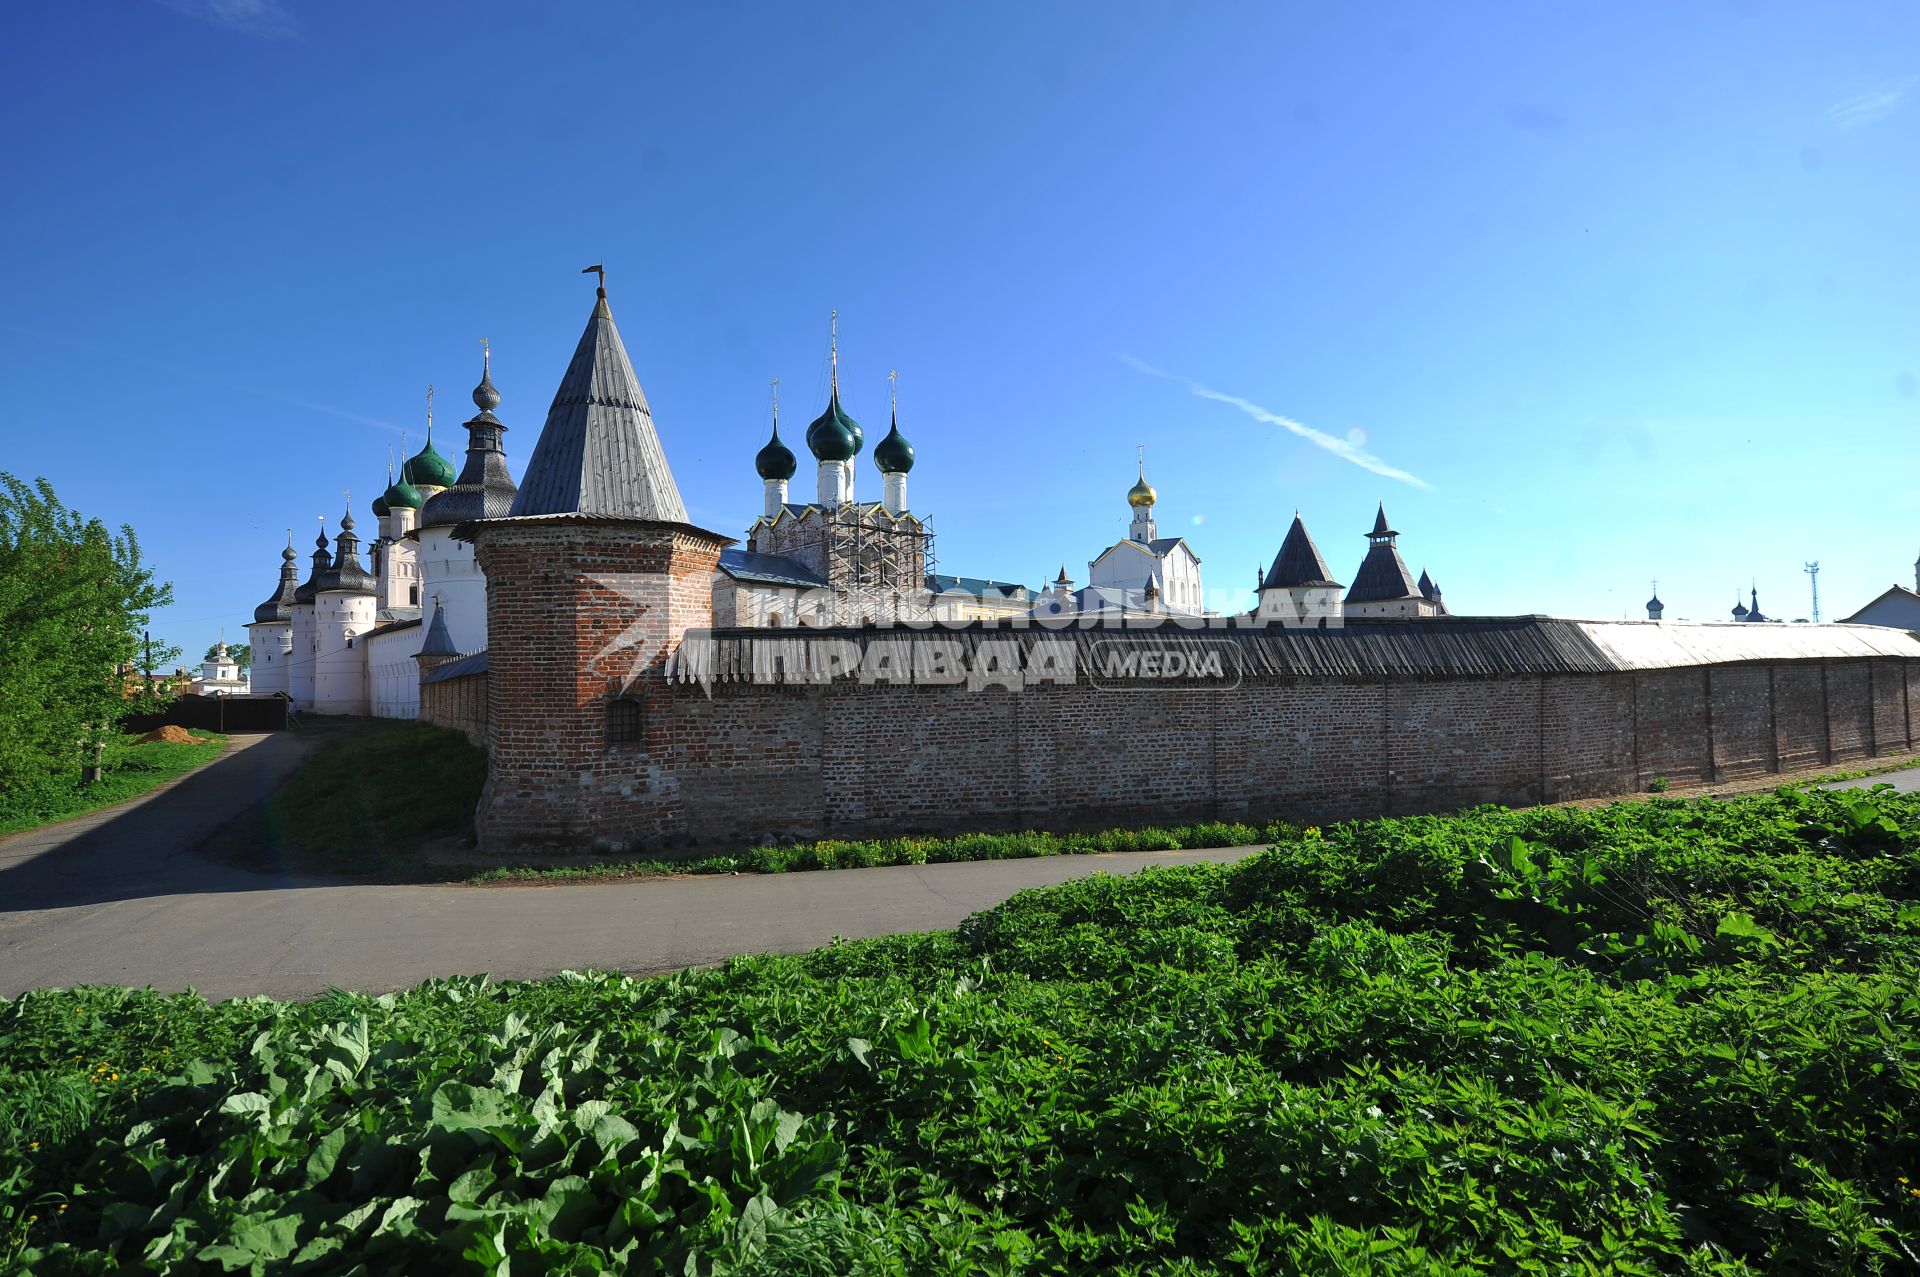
1141	493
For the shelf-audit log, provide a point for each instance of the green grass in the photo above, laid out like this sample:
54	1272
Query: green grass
130	770
867	853
374	790
1658	1037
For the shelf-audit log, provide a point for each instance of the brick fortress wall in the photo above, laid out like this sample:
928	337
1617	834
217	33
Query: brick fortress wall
594	611
751	761
459	703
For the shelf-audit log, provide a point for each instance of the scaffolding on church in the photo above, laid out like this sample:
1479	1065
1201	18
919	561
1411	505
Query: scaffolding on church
876	565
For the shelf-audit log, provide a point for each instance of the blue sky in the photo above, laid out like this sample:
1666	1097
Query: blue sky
1627	291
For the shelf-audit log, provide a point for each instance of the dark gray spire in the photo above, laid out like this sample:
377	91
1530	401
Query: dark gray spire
322	560
599	454
280	606
346	575
484	489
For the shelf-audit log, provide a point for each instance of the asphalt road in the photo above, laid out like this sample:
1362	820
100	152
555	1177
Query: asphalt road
1905	782
122	897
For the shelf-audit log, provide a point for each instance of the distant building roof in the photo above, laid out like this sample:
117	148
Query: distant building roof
768	569
599	453
390	624
466	665
978	587
1163	546
1298	563
1383	575
1898	607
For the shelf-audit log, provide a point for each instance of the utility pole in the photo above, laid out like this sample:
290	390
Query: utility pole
1813	575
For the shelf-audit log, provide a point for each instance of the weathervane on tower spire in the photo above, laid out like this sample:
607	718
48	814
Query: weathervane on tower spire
601	271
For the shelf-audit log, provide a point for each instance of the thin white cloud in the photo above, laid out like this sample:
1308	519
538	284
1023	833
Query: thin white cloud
251	17
1872	106
1140	365
1340	448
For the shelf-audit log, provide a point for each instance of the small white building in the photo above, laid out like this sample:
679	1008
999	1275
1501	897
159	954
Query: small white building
1146	572
221	675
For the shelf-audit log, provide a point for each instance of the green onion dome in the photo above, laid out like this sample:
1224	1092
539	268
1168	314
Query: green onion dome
402	493
834	436
380	505
893	454
428	469
775	461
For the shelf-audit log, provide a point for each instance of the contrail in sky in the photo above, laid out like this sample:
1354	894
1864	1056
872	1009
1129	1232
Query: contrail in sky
1332	443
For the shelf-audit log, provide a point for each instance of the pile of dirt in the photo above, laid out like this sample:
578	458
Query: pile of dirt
171	735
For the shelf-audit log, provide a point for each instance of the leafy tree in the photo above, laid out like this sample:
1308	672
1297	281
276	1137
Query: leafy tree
73	598
240	654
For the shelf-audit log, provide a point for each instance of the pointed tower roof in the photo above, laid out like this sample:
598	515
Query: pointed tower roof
322	560
484	489
346	576
1383	573
1428	590
280	606
1298	563
599	454
438	641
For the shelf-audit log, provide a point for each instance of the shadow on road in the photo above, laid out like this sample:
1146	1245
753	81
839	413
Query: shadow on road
151	847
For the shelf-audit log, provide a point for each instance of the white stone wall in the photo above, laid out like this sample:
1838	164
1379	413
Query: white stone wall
1393	607
300	656
271	643
447	568
400	575
340	662
392	672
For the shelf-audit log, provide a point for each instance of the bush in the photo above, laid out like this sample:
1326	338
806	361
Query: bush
1659	1037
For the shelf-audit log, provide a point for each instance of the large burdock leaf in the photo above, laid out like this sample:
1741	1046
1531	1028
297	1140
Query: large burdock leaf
568	1206
253	1242
460	1107
248	1104
347	1049
326	1155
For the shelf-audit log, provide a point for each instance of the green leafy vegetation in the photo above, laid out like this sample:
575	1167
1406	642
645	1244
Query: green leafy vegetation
1658	1037
128	770
373	791
73	598
867	853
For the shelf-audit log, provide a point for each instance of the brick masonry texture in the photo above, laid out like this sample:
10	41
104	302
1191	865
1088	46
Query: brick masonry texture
459	703
741	762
